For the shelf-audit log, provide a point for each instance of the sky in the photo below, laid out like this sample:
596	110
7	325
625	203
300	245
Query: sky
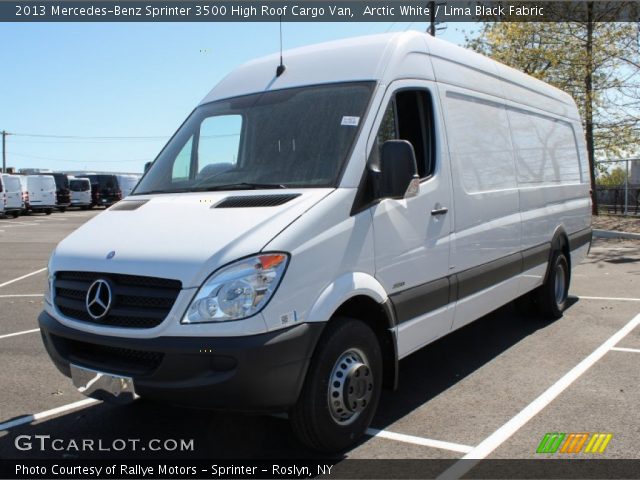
65	85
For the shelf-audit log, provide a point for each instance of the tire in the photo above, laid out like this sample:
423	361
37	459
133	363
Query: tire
48	211
552	296
15	214
62	209
348	357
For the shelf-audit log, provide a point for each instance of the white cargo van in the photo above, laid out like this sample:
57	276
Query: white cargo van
2	197
127	183
80	192
12	193
25	193
42	193
378	194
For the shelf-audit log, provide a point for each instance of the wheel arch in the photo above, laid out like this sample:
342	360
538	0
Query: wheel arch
559	243
360	296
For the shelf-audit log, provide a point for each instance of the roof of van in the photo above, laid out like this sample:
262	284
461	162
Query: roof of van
388	57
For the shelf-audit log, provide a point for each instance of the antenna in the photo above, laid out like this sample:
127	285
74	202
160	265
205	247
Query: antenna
281	68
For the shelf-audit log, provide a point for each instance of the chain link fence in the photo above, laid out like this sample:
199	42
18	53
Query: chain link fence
618	187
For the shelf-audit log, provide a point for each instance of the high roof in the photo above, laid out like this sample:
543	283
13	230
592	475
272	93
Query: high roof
351	59
387	57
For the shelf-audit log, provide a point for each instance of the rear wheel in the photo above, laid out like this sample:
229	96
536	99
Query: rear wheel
48	211
552	296
342	388
15	214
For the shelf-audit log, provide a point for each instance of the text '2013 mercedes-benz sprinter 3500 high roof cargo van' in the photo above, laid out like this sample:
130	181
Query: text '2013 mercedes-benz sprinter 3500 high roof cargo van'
325	222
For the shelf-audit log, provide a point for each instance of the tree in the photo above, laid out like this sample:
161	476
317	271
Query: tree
613	178
595	61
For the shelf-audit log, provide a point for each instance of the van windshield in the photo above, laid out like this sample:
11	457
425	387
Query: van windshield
298	137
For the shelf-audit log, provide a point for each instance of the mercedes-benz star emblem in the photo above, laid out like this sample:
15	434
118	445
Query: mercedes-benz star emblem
98	299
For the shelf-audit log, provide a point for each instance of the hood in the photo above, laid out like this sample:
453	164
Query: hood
180	236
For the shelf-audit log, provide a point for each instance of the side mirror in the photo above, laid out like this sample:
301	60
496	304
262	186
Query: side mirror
398	176
147	166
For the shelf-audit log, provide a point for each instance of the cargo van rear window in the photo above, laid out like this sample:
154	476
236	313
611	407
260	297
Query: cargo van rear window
77	186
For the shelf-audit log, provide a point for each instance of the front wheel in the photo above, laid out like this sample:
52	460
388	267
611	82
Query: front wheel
552	295
342	388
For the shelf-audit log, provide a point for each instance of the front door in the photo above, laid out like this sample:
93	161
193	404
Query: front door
412	235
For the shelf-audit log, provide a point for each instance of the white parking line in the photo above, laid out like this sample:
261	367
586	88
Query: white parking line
614	299
22	277
19	333
22	296
623	349
47	413
425	442
503	433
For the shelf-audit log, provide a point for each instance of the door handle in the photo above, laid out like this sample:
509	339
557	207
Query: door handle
439	211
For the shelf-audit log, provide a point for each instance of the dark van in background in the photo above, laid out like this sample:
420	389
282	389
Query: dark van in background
63	192
105	190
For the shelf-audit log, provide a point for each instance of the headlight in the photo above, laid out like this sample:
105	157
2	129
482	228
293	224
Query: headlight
239	290
48	293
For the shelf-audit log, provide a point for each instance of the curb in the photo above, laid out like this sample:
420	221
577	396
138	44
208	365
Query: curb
615	234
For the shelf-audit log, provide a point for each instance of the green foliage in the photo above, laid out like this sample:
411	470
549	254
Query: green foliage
613	178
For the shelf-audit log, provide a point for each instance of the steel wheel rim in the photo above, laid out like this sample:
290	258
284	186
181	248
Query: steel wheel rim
560	284
350	387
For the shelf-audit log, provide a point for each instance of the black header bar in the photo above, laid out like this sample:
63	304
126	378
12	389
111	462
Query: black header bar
316	11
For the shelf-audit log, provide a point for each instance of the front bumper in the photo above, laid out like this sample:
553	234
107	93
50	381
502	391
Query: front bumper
254	373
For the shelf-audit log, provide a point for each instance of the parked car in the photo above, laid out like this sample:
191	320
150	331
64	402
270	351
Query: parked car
324	224
12	194
42	193
63	194
80	192
127	183
105	189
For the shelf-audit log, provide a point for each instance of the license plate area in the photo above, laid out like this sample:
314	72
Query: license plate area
103	386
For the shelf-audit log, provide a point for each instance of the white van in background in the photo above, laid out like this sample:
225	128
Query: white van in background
25	193
12	195
327	220
80	192
42	193
127	183
2	196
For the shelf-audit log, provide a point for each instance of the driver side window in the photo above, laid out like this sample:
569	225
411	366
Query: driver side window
409	116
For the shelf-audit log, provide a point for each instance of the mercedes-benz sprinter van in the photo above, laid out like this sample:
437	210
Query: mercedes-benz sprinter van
11	191
42	193
308	227
80	192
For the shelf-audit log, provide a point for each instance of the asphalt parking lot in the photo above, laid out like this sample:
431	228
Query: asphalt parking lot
490	390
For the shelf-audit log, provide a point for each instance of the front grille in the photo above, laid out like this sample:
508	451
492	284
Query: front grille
113	359
138	302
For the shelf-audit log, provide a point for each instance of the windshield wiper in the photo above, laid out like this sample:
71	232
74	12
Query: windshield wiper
229	186
242	186
153	192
